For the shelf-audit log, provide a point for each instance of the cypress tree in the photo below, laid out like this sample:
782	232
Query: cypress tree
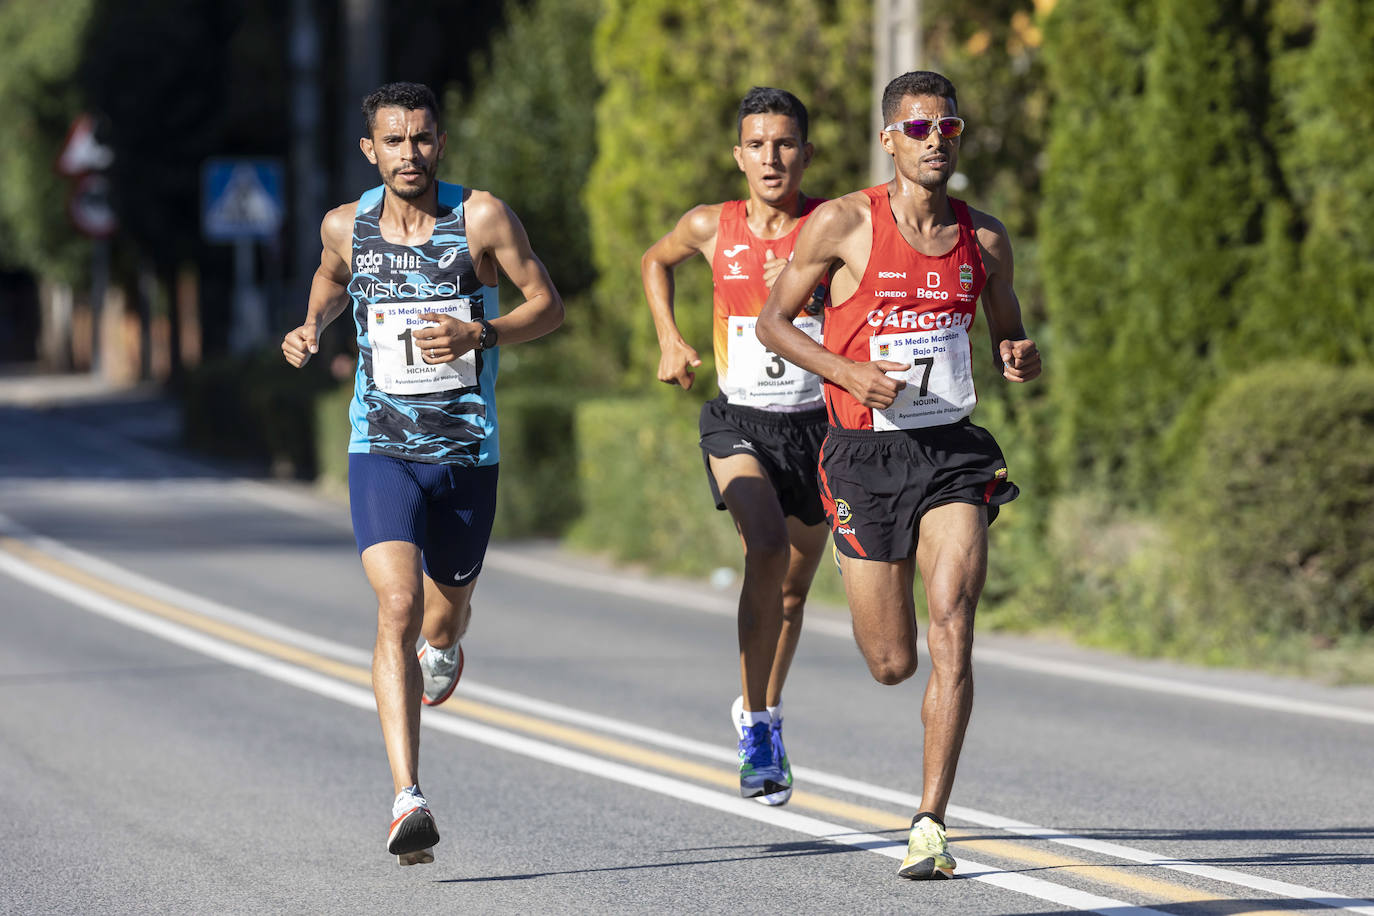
39	92
673	74
1093	58
527	132
1197	226
1329	166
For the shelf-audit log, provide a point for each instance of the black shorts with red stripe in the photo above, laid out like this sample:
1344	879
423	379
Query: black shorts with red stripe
875	486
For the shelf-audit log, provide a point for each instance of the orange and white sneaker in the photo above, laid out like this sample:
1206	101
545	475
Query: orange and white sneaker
413	831
440	670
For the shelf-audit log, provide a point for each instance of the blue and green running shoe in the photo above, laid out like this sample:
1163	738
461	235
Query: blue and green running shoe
780	796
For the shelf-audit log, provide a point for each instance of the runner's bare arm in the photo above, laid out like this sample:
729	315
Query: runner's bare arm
328	288
821	245
694	233
497	240
1014	354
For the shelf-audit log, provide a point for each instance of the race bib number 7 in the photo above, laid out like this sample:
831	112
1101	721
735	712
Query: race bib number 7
398	367
939	384
758	376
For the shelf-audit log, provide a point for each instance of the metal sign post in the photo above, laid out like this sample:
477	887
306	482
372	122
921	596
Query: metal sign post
85	159
243	203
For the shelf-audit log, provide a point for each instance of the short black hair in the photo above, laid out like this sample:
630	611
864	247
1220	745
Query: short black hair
410	96
767	100
917	82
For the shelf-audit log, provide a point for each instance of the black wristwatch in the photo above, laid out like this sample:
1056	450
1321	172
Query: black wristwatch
488	338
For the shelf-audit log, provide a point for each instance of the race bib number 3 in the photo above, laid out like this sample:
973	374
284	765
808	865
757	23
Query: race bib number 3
397	364
758	376
939	384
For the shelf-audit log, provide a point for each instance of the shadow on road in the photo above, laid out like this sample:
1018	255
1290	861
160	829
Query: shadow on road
746	853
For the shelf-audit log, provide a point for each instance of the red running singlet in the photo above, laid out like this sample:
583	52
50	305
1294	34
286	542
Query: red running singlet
758	378
910	308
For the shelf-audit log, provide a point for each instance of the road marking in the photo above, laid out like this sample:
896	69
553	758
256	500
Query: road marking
351	665
302	504
912	802
49	564
1114	677
47	574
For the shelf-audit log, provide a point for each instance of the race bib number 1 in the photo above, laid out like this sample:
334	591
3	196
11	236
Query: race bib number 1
397	364
939	384
758	376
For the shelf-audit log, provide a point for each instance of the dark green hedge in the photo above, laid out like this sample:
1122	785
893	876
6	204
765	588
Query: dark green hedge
538	494
255	408
1278	509
644	491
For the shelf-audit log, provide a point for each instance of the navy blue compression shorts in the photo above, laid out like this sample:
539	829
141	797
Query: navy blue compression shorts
443	509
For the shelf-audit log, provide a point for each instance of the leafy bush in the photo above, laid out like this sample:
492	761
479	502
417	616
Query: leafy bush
538	493
257	408
1259	557
644	493
1278	510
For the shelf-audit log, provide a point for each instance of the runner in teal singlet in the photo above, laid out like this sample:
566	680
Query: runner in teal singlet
417	260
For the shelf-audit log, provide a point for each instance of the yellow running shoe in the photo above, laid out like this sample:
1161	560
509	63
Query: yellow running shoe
927	852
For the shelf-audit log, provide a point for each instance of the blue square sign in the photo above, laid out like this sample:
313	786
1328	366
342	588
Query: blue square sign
241	199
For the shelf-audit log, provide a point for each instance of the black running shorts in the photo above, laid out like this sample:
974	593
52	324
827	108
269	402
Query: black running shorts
876	485
788	445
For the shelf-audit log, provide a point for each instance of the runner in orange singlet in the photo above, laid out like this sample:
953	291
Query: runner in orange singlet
908	482
761	437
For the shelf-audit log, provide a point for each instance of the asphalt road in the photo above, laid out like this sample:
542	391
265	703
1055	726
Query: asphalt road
186	727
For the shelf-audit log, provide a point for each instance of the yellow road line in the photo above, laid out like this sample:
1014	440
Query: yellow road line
836	809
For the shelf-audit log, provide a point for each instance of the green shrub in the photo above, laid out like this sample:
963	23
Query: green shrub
644	492
1278	510
257	408
538	491
1260	556
332	432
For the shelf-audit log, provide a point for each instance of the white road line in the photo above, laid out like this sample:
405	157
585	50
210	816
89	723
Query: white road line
659	738
1114	677
1118	678
361	698
912	802
293	502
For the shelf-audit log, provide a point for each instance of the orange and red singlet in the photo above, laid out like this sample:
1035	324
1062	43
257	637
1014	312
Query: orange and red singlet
749	375
910	308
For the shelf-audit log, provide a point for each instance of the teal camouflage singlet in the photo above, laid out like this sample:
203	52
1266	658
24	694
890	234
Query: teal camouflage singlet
402	406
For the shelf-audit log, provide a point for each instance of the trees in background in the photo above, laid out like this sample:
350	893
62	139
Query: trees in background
1325	96
39	97
673	75
1187	183
527	130
1204	233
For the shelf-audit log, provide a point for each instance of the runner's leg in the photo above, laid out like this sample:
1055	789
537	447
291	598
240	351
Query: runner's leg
393	570
952	553
753	504
448	608
883	613
808	545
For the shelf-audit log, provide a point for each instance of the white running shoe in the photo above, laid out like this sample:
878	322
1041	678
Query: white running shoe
440	670
413	831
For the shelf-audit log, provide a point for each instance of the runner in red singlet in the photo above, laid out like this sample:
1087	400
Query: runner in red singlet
908	482
761	437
